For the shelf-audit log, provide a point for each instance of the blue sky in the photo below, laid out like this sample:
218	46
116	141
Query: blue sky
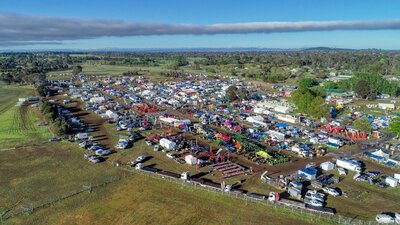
209	12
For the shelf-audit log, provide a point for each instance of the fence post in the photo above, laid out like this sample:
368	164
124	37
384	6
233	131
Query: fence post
27	209
87	188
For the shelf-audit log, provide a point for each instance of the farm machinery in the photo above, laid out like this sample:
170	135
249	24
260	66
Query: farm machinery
334	129
146	108
342	130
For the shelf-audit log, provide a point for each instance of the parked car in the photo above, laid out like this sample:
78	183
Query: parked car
122	144
385	218
148	142
156	148
314	195
314	202
171	155
103	152
397	217
92	158
383	185
331	191
85	144
95	147
141	158
144	128
54	139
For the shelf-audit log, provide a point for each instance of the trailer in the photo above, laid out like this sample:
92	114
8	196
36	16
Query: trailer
351	165
324	210
275	197
167	144
255	196
335	141
169	174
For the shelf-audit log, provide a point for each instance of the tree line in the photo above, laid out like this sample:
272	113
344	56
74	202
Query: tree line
367	85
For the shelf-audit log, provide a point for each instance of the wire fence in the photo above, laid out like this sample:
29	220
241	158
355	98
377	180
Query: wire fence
29	208
334	218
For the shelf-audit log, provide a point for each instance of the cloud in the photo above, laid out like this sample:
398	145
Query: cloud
17	29
22	43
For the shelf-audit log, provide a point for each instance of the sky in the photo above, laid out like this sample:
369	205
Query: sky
84	24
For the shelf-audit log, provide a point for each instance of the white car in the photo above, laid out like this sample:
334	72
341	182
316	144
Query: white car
314	195
95	147
148	143
103	152
141	158
331	191
122	144
156	148
171	155
385	218
92	158
313	202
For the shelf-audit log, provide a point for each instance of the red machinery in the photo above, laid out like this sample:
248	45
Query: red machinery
146	108
356	135
271	143
334	129
155	138
222	137
211	156
237	129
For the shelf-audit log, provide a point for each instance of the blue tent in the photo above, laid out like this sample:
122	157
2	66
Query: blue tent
281	125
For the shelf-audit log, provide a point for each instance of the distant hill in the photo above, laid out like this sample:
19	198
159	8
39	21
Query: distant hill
155	50
327	49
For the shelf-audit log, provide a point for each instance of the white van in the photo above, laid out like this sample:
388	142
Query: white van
384	218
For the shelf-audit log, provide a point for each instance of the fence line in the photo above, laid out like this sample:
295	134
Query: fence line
31	207
335	218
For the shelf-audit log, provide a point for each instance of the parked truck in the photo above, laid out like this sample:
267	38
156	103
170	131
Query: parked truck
349	165
275	197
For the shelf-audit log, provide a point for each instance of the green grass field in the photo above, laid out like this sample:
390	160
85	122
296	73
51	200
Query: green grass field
9	95
19	127
145	200
109	70
18	124
365	201
31	174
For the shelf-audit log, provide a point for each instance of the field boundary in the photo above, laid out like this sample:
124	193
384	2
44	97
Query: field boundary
29	208
334	218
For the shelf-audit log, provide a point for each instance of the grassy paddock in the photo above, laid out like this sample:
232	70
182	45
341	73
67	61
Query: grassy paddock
9	95
365	201
32	174
19	127
144	200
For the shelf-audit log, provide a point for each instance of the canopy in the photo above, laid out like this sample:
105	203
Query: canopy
263	154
